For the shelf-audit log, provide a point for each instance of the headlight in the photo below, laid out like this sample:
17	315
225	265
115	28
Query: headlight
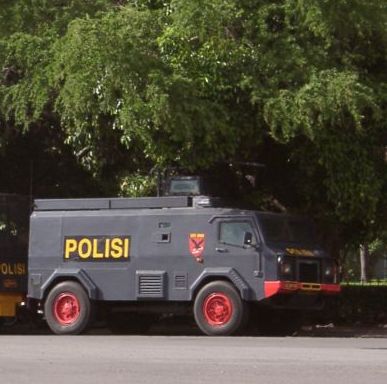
330	273
286	269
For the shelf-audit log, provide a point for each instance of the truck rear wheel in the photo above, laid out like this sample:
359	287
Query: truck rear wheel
218	309
67	309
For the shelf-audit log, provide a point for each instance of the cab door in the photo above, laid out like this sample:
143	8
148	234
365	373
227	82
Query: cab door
238	246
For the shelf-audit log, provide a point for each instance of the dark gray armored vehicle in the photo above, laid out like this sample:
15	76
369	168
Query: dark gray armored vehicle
157	254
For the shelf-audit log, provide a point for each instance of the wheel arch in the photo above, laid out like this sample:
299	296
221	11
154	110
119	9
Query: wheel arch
224	274
77	275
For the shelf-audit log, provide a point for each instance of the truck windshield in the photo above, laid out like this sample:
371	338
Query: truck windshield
277	229
184	187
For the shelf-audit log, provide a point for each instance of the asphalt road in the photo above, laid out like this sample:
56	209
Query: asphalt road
180	359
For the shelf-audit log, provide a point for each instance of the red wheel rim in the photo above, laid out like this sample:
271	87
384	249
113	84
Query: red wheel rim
66	308
217	309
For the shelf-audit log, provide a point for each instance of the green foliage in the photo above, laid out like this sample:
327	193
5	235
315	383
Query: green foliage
371	283
296	84
336	113
40	16
25	93
328	99
362	304
127	88
136	185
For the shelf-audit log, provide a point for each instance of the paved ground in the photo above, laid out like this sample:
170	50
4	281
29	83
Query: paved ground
191	359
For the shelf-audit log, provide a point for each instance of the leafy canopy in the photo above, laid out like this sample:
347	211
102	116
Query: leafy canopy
133	84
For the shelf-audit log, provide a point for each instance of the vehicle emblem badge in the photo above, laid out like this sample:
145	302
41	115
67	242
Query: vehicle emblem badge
197	242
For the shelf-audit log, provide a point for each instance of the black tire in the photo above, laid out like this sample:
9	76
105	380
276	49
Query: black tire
67	309
219	309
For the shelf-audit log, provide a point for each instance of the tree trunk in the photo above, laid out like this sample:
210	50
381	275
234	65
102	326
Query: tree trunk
364	252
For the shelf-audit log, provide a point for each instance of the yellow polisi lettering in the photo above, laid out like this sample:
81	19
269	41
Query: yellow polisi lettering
299	252
70	246
107	248
117	250
96	248
13	269
126	248
96	253
85	248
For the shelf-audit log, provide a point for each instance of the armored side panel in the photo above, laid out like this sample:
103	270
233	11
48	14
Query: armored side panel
136	254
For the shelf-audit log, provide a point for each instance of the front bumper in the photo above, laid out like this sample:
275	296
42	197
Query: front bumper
290	287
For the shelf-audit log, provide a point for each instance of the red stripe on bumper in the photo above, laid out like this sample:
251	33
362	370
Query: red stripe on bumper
275	287
331	288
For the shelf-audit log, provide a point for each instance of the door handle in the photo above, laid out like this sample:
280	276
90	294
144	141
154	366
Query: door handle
221	250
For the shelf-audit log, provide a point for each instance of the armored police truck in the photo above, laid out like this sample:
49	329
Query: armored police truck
154	254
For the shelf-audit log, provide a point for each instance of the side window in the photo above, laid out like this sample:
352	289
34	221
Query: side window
233	233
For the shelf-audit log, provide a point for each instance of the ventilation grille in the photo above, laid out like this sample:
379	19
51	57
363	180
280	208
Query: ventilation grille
150	284
181	281
309	272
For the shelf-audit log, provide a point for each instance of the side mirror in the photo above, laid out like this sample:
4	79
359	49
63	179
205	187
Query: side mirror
247	239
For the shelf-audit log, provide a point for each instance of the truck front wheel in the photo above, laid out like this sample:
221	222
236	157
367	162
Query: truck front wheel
67	308
218	309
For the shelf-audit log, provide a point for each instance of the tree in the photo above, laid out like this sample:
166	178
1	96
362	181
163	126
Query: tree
312	75
31	139
296	84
